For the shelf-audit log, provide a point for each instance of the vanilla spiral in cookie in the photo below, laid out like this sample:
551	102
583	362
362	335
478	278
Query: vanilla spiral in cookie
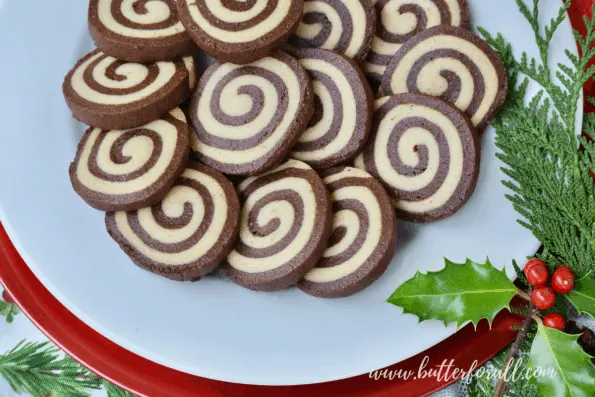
111	94
188	233
342	110
129	169
455	65
400	20
363	238
148	19
425	152
247	117
344	26
284	225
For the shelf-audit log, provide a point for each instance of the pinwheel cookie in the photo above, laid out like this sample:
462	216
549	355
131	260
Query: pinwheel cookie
107	93
139	31
186	235
425	152
284	227
240	32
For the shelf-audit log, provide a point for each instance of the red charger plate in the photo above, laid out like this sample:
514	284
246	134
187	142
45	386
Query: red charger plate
468	348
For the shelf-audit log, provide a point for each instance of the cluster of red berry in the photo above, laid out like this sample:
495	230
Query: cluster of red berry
544	296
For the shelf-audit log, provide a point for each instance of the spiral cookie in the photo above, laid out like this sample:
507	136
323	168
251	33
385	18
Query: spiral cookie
189	233
284	227
343	107
400	20
139	30
425	152
363	239
113	95
240	31
130	169
344	26
455	65
248	117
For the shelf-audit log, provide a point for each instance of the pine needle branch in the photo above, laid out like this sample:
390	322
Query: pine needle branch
114	391
38	368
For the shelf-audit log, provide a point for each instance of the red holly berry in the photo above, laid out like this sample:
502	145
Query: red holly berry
533	261
554	320
543	297
7	297
536	272
563	280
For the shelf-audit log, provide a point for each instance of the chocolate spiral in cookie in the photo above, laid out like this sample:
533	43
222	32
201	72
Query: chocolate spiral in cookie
240	31
455	65
344	26
186	235
363	239
111	94
425	152
130	169
248	117
400	20
284	226
343	108
139	30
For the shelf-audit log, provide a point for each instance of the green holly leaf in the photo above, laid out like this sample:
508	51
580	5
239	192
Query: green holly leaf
582	297
559	365
459	293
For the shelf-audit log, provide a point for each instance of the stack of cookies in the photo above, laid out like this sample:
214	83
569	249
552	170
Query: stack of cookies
321	167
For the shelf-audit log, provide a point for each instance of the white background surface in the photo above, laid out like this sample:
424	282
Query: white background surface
214	328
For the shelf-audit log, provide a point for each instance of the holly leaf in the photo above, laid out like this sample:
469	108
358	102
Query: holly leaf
559	365
582	297
459	293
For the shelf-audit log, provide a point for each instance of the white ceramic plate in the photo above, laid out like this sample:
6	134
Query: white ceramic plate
214	328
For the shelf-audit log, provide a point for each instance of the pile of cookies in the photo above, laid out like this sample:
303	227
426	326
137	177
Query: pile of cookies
321	167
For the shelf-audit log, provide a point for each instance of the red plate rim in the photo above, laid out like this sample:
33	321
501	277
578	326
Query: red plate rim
140	376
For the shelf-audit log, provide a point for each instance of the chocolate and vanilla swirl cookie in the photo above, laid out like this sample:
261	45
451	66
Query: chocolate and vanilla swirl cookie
363	239
111	94
344	26
284	227
455	65
186	235
400	20
139	30
248	117
343	108
425	152
240	31
130	169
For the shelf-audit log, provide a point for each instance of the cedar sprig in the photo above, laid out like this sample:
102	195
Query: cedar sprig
520	274
549	179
